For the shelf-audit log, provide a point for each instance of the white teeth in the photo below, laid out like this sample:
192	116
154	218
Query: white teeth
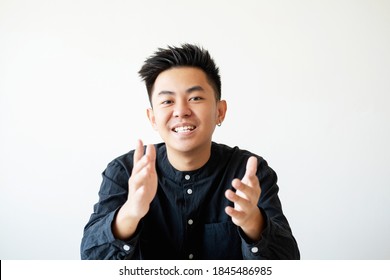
184	128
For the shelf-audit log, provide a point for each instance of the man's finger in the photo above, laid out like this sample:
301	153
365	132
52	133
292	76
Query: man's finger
250	172
243	189
243	202
237	215
139	152
251	166
151	152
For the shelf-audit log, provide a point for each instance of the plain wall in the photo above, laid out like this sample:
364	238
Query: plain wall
307	85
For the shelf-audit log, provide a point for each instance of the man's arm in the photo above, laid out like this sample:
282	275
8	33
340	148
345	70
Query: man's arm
264	229
113	229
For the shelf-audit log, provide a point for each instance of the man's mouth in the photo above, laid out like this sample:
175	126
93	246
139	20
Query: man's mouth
186	128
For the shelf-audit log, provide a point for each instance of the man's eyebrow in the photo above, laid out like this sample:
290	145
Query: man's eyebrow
189	90
166	92
194	88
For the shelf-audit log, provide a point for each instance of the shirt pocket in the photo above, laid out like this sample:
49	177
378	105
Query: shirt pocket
221	241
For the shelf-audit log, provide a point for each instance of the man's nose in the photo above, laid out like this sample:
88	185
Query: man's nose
182	109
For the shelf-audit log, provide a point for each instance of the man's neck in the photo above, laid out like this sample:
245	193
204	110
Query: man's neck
189	161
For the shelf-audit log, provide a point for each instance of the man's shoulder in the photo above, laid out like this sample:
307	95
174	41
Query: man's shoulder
237	156
235	151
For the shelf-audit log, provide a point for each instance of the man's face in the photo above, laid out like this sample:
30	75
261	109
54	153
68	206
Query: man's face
185	110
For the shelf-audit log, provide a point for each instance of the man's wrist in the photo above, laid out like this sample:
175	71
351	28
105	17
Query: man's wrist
124	224
254	227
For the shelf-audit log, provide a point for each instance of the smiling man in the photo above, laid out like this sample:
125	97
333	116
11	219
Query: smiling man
188	197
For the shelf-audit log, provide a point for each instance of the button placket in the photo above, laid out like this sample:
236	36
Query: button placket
188	181
189	191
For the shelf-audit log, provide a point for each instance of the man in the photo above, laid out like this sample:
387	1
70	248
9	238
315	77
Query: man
187	198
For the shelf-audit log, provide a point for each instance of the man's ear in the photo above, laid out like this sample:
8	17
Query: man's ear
152	120
221	111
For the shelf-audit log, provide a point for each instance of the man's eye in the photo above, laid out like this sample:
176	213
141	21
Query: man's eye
196	98
166	102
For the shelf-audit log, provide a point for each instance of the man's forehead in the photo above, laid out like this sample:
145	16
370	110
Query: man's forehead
181	79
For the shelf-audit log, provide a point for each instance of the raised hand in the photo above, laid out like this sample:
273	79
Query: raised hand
143	180
245	212
142	189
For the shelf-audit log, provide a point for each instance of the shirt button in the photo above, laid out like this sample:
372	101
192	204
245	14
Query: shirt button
126	247
189	191
190	222
254	250
190	256
187	177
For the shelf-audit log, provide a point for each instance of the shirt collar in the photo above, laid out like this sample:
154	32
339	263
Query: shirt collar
167	170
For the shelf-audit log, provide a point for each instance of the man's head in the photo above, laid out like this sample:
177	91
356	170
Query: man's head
184	89
185	56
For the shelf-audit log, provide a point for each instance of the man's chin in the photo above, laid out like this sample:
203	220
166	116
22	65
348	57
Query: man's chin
184	146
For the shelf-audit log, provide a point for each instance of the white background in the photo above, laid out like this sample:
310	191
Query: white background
307	85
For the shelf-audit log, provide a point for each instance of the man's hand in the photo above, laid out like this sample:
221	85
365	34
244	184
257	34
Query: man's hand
142	189
143	181
245	212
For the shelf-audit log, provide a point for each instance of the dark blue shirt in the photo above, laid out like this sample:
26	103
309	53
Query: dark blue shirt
187	218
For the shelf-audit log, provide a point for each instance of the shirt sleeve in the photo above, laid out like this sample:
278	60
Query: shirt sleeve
98	241
277	240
